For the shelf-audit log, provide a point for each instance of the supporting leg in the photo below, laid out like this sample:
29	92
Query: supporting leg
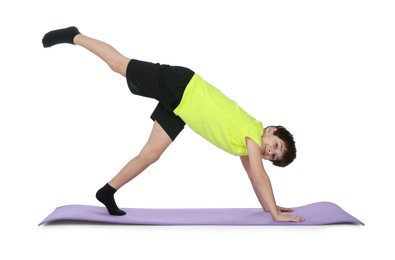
151	152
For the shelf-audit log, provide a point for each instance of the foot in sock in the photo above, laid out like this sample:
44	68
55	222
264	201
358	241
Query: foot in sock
106	196
65	35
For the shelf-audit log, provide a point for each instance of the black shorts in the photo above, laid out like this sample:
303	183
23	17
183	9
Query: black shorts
164	83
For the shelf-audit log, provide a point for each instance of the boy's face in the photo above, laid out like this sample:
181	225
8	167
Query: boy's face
272	147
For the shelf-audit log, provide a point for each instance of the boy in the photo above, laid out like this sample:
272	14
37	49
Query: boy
185	98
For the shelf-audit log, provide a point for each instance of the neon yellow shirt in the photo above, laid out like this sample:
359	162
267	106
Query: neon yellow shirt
218	119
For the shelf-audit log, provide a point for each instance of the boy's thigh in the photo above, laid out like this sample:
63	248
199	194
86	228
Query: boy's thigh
171	123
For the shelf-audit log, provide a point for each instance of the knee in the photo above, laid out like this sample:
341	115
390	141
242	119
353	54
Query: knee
118	64
149	156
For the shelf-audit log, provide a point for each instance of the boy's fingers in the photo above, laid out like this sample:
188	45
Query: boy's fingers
285	209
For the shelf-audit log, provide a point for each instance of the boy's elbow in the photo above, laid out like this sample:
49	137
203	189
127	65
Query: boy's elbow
259	179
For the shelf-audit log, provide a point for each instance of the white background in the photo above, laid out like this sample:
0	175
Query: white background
323	69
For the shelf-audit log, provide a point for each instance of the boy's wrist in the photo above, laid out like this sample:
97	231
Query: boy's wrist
275	215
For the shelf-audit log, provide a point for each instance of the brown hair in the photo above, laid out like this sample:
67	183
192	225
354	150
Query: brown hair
290	148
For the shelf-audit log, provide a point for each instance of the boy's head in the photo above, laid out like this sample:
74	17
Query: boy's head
278	146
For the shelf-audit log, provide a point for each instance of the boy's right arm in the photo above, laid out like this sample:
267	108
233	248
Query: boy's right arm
261	183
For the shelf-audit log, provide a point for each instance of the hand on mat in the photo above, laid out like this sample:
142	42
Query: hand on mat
280	209
288	218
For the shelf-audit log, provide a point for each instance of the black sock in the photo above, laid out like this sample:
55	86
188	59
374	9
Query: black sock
106	196
65	35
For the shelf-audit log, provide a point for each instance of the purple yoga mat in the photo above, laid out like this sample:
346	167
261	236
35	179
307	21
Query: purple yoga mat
320	213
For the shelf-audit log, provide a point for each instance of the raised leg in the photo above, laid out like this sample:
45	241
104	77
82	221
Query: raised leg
65	35
151	152
106	52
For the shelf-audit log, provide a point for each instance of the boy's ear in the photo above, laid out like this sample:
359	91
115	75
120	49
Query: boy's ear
270	129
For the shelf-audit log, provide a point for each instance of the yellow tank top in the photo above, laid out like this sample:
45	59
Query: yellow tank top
218	119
